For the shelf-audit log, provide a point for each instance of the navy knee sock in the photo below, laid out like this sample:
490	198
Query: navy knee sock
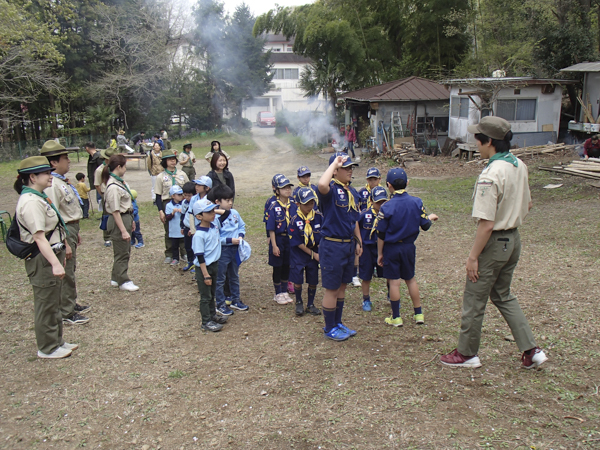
339	309
366	298
329	315
298	291
395	308
418	310
312	291
277	288
284	286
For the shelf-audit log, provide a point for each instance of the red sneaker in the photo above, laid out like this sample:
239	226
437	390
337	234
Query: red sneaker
291	289
455	359
533	360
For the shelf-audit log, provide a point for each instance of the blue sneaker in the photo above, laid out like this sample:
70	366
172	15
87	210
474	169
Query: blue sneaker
346	329
188	266
139	245
237	304
223	310
336	334
367	305
193	270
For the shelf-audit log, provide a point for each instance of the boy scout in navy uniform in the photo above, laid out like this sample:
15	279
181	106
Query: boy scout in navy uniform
500	203
340	241
66	198
398	224
367	265
304	174
373	179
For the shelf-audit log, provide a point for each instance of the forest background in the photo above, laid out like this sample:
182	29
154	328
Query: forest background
89	67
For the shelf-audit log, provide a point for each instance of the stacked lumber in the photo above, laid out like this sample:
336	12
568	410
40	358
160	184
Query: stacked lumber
528	152
405	152
586	169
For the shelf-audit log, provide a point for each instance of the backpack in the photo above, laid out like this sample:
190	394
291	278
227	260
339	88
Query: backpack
17	247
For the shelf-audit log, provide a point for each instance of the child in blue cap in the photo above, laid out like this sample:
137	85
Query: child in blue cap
201	186
173	217
373	180
340	241
398	224
305	234
367	265
304	174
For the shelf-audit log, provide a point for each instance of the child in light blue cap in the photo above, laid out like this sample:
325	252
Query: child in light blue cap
202	186
173	216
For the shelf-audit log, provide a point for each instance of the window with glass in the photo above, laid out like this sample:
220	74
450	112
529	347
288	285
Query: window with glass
285	74
517	110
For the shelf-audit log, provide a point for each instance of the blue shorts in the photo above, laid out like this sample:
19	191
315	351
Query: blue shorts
367	263
312	273
283	242
399	261
337	263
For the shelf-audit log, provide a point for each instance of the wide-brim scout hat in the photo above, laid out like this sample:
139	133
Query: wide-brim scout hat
282	182
34	164
121	131
53	148
378	193
204	181
304	171
187	144
491	126
347	163
373	172
168	154
202	206
395	174
108	152
305	195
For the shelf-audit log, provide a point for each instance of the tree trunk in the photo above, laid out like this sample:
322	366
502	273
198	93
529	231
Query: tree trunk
53	121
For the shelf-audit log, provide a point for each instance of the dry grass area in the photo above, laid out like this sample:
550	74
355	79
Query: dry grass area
146	377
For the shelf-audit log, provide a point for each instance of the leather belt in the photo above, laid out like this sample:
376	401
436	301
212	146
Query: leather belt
345	241
73	222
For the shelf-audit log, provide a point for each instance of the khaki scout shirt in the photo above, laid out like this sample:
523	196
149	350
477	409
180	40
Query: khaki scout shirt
65	200
185	159
98	178
35	214
164	183
116	198
209	155
502	194
154	163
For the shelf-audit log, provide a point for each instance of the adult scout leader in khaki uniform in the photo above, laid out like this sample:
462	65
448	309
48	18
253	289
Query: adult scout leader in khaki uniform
187	159
501	202
65	197
40	223
100	187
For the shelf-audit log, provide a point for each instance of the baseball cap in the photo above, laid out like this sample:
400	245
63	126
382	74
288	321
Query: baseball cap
304	171
395	174
378	193
305	195
346	163
276	177
134	193
175	190
204	181
244	252
282	182
373	172
202	206
491	126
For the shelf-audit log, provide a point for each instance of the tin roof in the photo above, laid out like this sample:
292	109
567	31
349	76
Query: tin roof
512	81
583	67
405	90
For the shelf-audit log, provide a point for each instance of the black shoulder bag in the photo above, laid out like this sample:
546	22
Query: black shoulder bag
17	247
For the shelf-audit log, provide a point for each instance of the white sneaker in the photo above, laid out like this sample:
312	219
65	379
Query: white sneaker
356	282
114	283
58	353
68	346
107	243
287	297
280	299
129	286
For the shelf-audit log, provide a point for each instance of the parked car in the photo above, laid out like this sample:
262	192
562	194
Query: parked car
265	119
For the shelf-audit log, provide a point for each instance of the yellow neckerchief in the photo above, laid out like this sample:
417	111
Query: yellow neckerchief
351	201
309	238
369	199
399	192
287	209
301	184
375	221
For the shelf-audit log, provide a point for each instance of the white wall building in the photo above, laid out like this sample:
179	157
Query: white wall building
285	92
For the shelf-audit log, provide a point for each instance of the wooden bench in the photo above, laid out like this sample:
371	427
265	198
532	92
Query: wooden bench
139	157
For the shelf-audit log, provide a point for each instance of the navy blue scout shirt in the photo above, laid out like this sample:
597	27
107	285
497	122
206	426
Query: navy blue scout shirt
365	224
364	194
269	203
276	217
400	218
338	222
296	232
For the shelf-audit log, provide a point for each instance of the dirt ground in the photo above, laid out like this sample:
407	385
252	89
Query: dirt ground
146	377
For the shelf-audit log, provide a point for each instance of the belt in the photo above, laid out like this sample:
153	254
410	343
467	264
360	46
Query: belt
73	222
512	230
129	211
281	234
345	241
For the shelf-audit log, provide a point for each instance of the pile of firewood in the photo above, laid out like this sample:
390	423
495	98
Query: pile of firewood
536	150
405	152
587	169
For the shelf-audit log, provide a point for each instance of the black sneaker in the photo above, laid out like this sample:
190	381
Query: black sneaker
220	319
212	326
76	319
299	309
312	309
81	308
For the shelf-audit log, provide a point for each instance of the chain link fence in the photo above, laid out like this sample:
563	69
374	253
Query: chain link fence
17	150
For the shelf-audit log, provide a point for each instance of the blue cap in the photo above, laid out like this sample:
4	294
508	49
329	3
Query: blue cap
282	182
395	174
204	181
373	172
244	252
348	161
203	205
175	190
276	177
378	193
305	195
304	171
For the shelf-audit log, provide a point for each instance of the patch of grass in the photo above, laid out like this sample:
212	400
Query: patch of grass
176	374
232	143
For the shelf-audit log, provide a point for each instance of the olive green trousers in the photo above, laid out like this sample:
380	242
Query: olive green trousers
121	248
69	285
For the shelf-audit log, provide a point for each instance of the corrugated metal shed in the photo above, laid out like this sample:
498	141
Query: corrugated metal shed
408	89
513	81
583	67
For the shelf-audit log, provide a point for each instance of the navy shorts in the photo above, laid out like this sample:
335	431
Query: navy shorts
283	242
337	263
312	273
399	261
367	263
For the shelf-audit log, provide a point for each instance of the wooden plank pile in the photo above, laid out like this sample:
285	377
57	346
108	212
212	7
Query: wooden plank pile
405	152
586	169
529	152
